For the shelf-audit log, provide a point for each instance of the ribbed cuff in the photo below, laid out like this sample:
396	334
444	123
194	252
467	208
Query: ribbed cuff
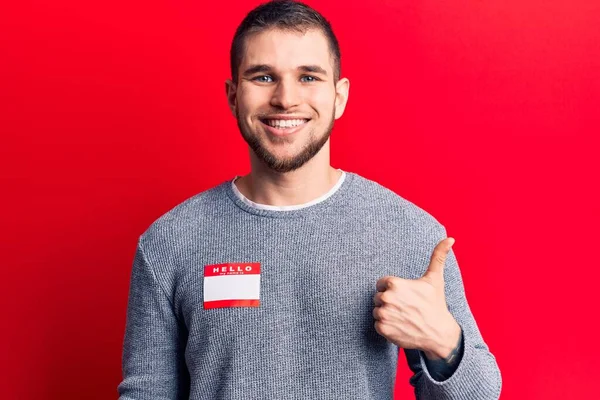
476	377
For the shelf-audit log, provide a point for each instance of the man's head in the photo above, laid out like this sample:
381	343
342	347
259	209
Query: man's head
285	64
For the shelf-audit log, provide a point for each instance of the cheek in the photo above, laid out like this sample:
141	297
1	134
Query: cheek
251	99
243	102
323	101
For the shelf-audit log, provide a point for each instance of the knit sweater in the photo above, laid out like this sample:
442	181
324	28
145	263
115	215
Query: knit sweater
233	300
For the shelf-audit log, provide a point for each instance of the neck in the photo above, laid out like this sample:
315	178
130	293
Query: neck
311	181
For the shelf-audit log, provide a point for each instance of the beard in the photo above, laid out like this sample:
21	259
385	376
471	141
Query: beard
283	165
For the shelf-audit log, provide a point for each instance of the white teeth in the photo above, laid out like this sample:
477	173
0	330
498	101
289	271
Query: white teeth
285	123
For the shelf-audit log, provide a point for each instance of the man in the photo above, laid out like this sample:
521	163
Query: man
298	280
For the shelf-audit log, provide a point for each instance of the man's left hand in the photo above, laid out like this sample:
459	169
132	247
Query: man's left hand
413	314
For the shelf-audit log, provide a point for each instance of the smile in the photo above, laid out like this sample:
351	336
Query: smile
284	123
283	127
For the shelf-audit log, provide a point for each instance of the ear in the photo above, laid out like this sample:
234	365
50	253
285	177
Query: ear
342	88
230	91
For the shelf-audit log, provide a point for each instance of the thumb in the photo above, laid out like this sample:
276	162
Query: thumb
438	259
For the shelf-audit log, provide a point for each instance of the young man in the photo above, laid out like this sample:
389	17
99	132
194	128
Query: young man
298	280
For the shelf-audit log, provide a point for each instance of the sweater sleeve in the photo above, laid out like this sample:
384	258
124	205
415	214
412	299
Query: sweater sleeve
477	376
153	362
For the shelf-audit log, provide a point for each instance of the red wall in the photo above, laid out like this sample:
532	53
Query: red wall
483	113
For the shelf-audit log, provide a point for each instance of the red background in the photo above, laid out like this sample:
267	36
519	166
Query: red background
484	113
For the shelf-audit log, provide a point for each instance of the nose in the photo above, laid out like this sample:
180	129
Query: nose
286	95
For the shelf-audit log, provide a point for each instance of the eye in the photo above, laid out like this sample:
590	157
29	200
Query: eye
313	79
260	78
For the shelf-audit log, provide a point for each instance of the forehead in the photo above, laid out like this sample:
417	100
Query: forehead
288	49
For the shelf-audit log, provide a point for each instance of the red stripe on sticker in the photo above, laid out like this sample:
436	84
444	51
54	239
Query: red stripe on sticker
231	303
232	269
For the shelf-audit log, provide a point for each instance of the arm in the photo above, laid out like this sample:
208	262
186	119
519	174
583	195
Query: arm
477	375
153	359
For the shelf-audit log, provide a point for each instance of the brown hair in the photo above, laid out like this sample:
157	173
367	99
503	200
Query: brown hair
286	15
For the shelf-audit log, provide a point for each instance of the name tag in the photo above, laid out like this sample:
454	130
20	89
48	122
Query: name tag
232	285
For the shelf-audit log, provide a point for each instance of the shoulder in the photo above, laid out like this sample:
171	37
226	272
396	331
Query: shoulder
397	209
179	224
407	233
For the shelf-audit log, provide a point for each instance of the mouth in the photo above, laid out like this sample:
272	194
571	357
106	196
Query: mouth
284	127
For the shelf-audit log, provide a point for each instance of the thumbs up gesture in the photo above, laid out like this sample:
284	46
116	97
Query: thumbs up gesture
413	314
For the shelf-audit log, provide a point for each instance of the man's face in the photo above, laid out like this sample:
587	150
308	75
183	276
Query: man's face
285	100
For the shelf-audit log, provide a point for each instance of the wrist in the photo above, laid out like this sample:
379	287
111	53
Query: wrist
447	346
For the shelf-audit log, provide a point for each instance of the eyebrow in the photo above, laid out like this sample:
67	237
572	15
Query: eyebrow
253	69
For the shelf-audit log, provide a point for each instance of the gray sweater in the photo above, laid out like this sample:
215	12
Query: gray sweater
231	301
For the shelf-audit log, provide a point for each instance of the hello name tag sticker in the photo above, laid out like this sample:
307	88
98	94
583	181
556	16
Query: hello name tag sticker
231	285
